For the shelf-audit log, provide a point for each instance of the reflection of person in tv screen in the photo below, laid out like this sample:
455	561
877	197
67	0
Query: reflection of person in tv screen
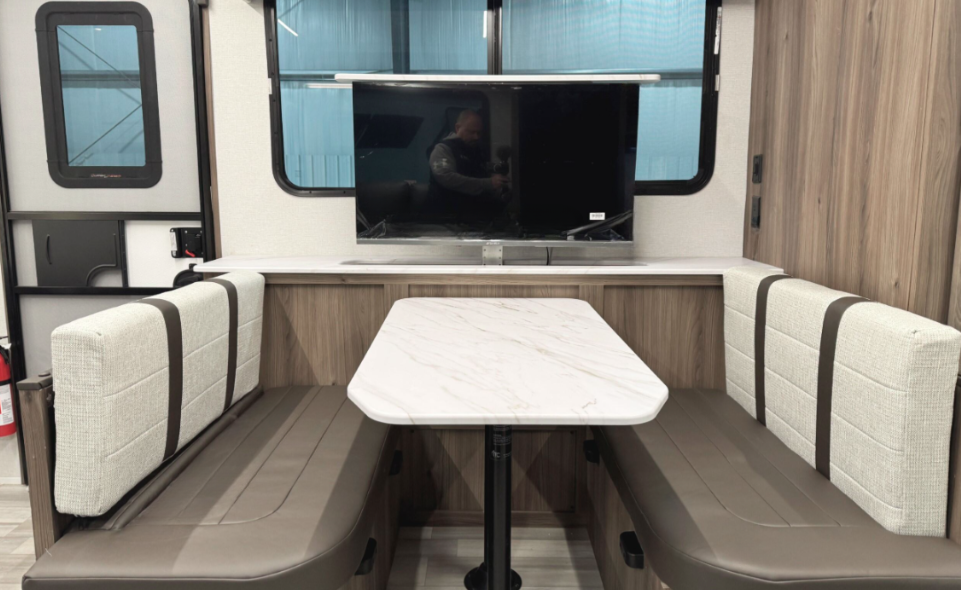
459	179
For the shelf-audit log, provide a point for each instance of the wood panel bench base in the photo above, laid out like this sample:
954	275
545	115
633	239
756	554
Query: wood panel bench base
608	519
385	531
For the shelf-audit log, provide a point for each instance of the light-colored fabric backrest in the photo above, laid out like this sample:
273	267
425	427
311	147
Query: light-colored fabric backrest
111	373
893	393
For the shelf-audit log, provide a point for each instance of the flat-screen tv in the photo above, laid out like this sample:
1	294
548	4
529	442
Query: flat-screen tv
495	162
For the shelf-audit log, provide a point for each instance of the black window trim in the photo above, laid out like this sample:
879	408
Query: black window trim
49	16
709	104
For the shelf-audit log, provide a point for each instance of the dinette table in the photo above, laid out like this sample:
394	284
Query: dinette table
502	363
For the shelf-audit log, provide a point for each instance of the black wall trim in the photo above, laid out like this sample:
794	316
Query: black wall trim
111	291
18	367
105	215
203	136
53	14
400	35
709	101
495	62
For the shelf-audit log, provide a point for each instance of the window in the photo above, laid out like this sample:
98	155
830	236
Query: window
317	39
99	87
309	41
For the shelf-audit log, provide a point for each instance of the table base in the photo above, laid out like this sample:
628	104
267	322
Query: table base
476	579
496	573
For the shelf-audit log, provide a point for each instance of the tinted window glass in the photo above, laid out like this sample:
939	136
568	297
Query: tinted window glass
98	82
623	36
318	39
102	102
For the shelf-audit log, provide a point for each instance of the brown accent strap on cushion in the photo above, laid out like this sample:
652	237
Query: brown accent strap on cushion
829	345
175	355
760	323
231	339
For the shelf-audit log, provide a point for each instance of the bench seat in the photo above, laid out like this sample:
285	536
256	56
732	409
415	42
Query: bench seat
278	493
719	502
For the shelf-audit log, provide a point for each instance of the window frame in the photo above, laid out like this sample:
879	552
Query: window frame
54	14
709	102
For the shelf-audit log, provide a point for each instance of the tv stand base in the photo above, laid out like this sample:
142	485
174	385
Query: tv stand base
492	255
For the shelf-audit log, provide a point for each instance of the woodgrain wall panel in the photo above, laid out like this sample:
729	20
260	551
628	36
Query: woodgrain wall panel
940	171
363	312
608	519
593	294
36	419
444	472
677	331
855	107
385	530
545	470
392	293
569	291
318	334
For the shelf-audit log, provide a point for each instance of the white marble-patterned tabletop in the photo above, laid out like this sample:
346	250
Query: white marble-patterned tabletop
452	361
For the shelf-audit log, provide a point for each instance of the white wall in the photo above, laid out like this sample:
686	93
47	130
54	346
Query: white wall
31	188
711	222
257	217
149	263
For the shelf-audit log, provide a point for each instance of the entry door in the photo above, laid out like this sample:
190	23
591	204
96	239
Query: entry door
103	121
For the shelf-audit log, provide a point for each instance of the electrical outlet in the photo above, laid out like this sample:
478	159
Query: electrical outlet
756	213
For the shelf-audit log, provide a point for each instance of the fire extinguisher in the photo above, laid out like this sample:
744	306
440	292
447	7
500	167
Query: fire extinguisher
7	425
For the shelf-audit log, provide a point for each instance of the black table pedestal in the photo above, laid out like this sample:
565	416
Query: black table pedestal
496	573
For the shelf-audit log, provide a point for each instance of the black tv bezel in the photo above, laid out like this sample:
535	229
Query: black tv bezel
440	86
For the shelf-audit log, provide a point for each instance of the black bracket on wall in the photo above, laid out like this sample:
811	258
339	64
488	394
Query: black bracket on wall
370	556
631	550
71	253
756	213
397	463
591	452
757	169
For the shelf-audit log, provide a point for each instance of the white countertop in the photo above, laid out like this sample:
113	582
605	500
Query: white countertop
470	266
452	361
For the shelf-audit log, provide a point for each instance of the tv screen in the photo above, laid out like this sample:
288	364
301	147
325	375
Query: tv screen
508	162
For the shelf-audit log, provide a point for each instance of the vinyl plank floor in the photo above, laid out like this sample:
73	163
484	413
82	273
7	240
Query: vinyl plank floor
9	460
16	535
438	558
517	533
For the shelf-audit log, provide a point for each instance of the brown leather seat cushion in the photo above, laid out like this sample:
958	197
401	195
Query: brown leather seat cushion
719	502
281	498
